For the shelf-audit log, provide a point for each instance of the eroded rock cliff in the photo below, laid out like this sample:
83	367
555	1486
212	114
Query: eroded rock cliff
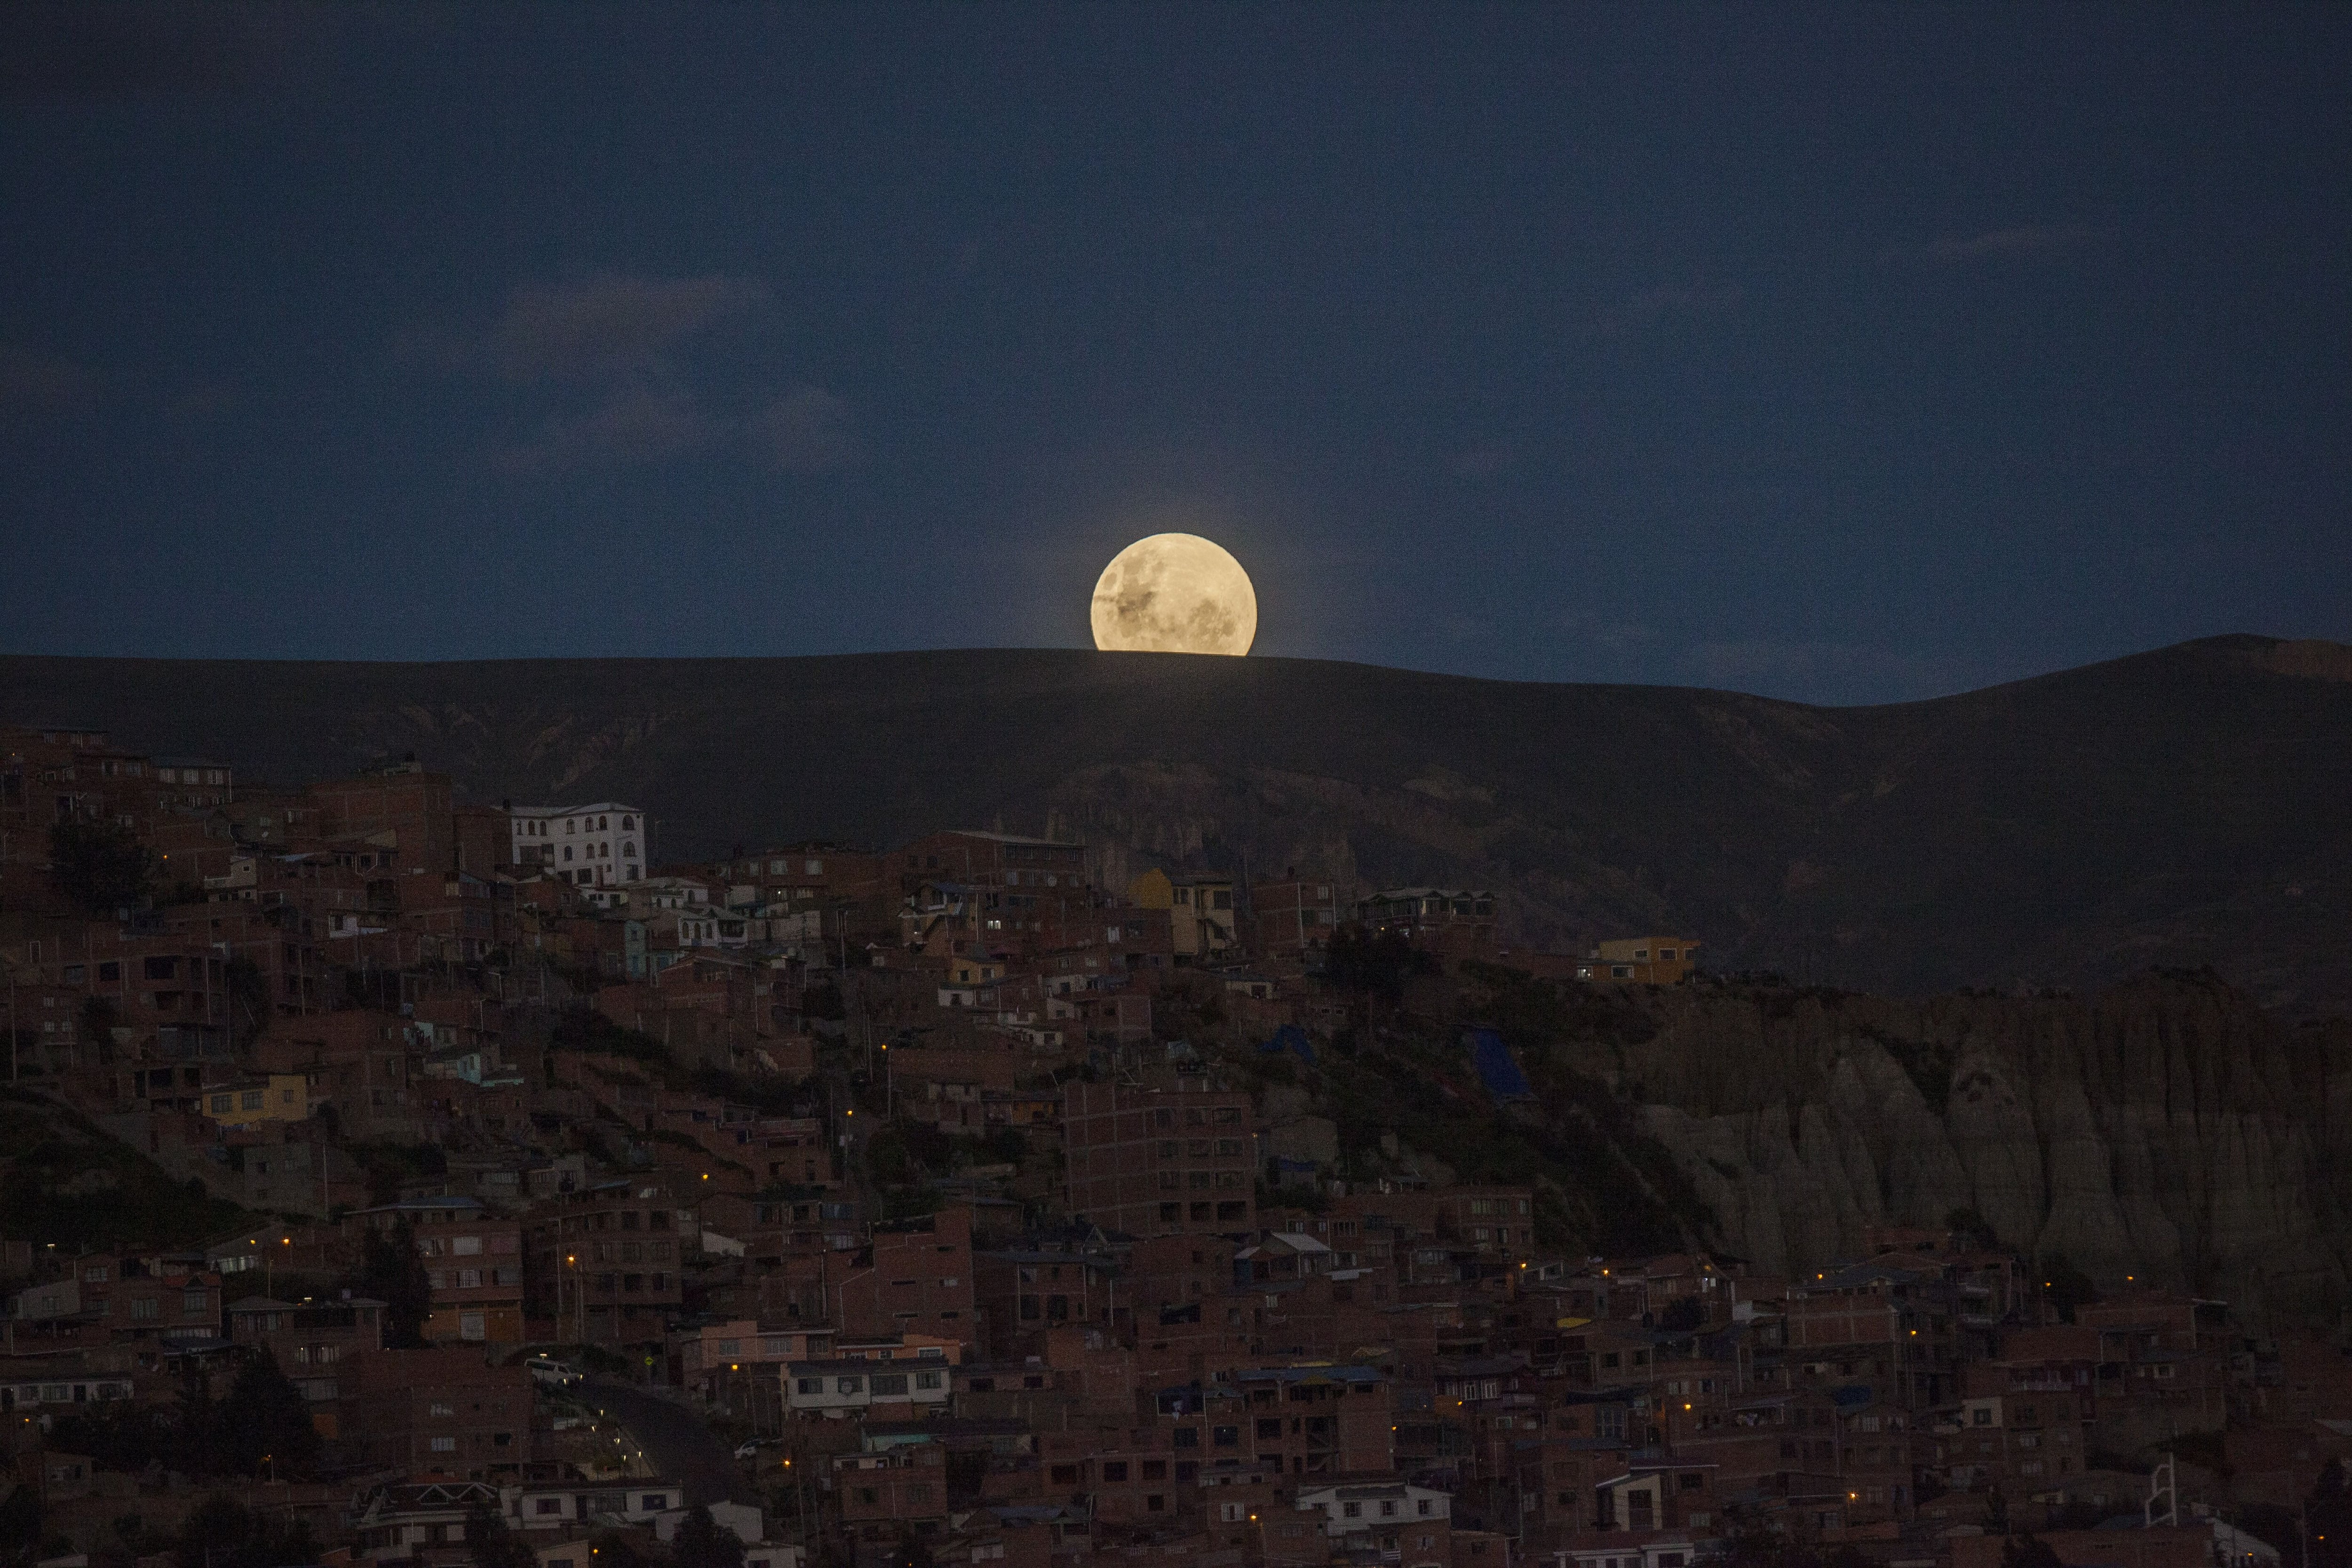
2168	1129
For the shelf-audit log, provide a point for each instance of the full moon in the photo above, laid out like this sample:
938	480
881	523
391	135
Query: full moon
1175	593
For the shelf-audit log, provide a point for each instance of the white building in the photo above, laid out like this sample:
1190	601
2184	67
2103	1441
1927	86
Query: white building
1673	1550
599	846
893	1390
1384	1505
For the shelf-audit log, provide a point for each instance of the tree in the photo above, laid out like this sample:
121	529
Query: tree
2065	1287
616	1549
1974	1227
913	1551
1683	1315
2327	1514
247	991
222	1533
100	867
390	1271
192	1440
491	1544
1375	964
267	1419
2027	1550
20	1516
702	1541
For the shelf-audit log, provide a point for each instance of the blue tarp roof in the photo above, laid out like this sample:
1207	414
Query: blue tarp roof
1496	1068
1291	1037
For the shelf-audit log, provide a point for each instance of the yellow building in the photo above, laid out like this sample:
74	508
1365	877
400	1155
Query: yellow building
973	971
281	1096
1643	960
1202	919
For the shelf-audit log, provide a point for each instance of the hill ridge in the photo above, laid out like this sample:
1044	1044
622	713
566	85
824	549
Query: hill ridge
2178	807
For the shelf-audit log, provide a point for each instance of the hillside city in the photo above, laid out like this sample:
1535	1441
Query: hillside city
394	1177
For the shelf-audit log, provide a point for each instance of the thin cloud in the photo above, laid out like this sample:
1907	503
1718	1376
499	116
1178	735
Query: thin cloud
807	431
612	325
2028	240
635	425
1617	636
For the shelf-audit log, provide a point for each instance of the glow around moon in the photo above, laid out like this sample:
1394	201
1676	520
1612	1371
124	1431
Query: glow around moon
1175	593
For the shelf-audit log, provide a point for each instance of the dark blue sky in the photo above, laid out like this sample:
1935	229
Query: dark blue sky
1849	354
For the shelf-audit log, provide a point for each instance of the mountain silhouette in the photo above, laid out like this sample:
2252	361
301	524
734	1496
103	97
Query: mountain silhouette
2183	807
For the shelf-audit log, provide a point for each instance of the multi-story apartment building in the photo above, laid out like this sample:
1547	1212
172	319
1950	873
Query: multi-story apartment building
601	844
312	1343
444	1410
915	1277
1419	911
1643	960
991	860
1155	1162
1292	916
605	1262
474	1261
1202	919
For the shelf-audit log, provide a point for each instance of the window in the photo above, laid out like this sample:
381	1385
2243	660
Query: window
1352	1509
194	1302
143	1306
928	1380
547	1505
444	1445
1114	1469
654	1502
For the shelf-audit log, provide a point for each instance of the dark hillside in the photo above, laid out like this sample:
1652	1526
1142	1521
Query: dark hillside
2178	807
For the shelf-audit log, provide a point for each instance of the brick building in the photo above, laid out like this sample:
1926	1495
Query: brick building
443	1410
1154	1161
914	1277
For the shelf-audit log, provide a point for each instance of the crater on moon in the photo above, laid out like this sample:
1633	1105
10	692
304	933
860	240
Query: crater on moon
1175	593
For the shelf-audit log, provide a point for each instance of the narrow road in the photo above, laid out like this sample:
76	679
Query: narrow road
676	1440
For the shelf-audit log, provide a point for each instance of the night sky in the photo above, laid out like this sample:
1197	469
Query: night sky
1849	354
